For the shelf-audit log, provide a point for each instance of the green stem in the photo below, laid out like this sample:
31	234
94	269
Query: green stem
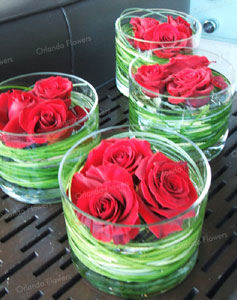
8	87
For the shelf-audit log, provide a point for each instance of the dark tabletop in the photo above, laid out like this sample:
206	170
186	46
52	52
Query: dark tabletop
35	258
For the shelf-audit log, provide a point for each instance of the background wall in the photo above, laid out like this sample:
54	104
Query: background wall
77	38
222	13
223	39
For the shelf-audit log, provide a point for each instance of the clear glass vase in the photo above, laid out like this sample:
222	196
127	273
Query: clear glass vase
126	50
30	174
146	265
203	119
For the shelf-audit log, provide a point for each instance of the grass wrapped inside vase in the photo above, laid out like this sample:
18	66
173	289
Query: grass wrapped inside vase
134	208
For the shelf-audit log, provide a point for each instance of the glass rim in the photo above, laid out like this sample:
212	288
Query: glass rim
179	13
63	128
145	58
197	202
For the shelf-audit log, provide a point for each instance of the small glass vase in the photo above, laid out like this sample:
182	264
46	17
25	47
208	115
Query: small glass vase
30	174
204	120
146	265
125	40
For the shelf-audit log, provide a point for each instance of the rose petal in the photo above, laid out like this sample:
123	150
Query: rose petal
141	170
95	156
219	82
110	173
81	184
15	141
180	62
3	110
160	231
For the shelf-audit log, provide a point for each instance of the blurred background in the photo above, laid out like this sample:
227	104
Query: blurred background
77	36
219	21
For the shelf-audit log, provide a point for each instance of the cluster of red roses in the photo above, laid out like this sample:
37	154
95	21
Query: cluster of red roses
45	108
176	32
184	76
123	179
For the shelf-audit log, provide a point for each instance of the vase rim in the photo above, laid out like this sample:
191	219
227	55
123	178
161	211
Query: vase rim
126	12
128	128
82	120
220	57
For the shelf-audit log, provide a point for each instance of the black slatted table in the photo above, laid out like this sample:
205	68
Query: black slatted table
35	258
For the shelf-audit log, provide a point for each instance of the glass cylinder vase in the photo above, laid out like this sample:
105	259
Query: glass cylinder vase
146	265
202	119
130	45
29	162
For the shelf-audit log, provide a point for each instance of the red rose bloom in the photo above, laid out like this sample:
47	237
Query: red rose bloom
107	193
152	77
191	83
45	117
3	110
165	191
140	27
126	153
17	100
167	36
54	88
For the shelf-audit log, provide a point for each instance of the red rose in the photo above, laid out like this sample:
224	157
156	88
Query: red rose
54	88
181	24
107	193
126	153
152	77
191	83
43	117
17	100
140	26
47	116
165	191
180	62
3	110
167	36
